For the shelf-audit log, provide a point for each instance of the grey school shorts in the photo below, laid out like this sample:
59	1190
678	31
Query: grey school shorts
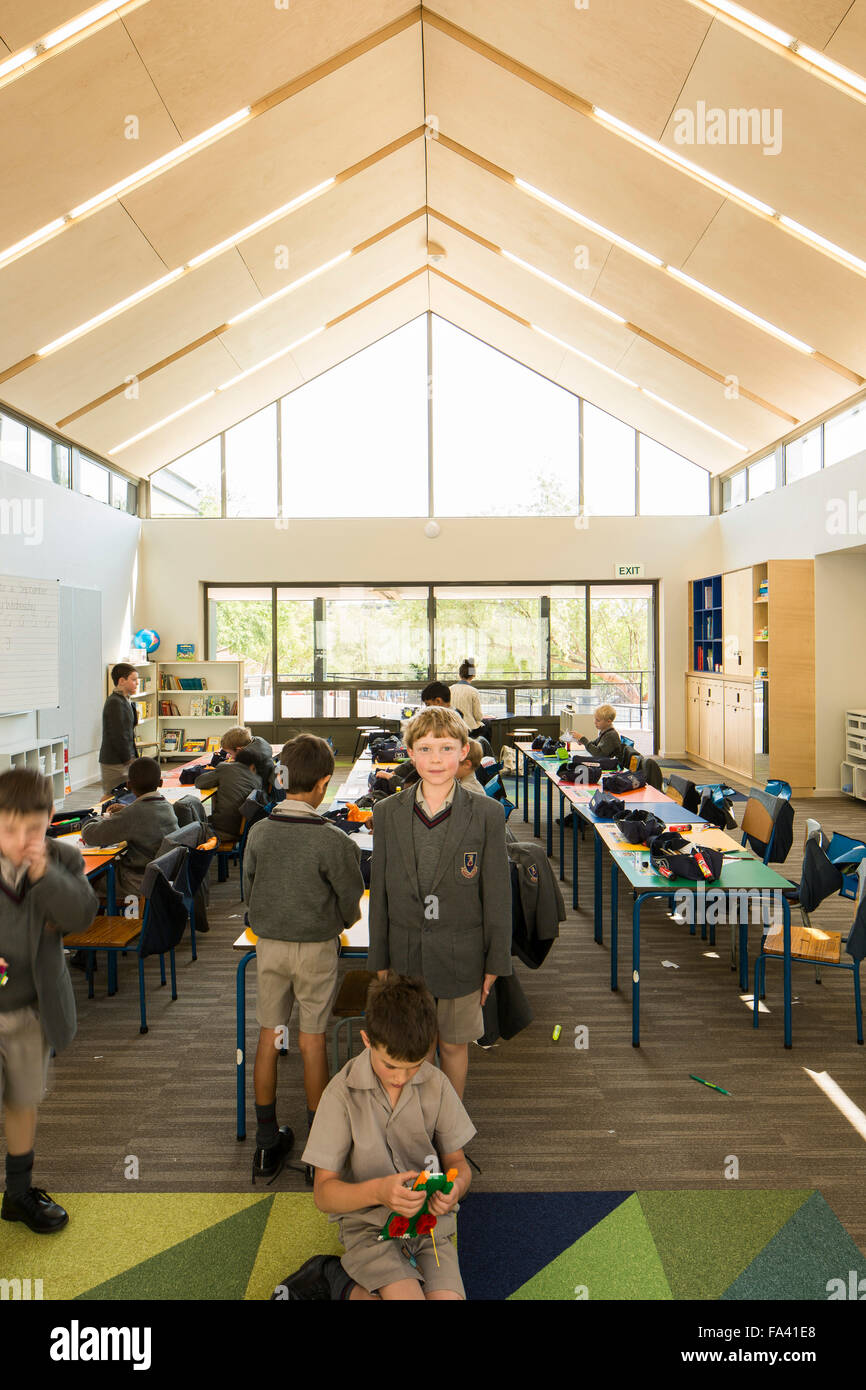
24	1054
290	970
460	1020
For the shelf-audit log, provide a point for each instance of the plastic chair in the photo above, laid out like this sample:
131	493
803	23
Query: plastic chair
683	792
191	878
776	787
159	929
627	751
758	822
853	964
496	790
348	1008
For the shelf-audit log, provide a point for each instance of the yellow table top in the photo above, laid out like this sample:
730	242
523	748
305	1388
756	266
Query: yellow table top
356	938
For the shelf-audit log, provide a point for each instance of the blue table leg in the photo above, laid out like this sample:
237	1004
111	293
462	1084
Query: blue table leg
574	893
240	1056
599	932
614	924
744	952
549	781
536	800
786	930
561	836
110	891
516	777
635	972
526	787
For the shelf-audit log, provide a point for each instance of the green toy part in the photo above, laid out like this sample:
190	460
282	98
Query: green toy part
399	1227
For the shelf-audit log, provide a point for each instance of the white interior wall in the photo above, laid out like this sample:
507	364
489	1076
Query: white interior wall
85	545
179	556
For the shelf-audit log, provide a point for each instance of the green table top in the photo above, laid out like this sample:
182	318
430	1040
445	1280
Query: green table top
736	873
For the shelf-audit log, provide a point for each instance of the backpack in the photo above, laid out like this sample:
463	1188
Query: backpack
606	807
673	857
624	781
639	827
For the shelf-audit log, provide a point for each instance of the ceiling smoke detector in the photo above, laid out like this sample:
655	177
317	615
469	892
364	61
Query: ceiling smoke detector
436	252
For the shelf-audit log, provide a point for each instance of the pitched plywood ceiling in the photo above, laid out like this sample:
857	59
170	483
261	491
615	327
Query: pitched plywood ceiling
473	124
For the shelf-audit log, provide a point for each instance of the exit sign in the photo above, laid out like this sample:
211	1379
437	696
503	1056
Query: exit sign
628	571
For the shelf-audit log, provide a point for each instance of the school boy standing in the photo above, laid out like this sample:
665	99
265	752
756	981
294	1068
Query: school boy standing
119	718
303	884
43	894
440	887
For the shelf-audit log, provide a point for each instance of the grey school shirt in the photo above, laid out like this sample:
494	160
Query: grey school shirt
234	782
302	876
143	824
20	988
429	839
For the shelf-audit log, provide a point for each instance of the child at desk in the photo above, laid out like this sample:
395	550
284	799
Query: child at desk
385	1118
440	887
608	744
303	884
234	780
43	894
143	824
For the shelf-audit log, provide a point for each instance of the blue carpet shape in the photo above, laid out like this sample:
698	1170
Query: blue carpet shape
504	1238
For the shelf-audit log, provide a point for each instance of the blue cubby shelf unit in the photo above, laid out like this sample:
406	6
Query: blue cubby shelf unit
707	620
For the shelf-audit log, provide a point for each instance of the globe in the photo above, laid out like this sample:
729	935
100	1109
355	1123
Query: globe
147	639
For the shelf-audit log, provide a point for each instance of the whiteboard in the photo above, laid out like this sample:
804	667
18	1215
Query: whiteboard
82	679
29	642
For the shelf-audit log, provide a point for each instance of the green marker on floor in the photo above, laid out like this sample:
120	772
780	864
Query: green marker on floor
712	1085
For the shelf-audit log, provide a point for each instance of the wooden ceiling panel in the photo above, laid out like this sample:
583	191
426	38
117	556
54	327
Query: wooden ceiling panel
170	390
848	44
343	217
68	121
503	214
813	21
804	161
339	289
139	338
566	154
629	56
227	408
785	281
702	397
486	323
516	289
278	155
22	21
245	50
713	336
71	279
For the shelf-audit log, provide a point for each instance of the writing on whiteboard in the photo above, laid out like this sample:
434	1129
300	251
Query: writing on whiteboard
29	643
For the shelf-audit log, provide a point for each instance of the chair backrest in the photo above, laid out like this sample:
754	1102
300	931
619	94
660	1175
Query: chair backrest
776	787
189	811
757	822
653	773
635	763
813	830
683	792
165	916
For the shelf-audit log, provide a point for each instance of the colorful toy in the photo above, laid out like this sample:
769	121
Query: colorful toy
399	1227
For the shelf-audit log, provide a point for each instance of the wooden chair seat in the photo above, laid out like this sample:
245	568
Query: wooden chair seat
105	932
351	1000
227	846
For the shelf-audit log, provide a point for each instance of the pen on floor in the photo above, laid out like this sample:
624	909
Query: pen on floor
712	1085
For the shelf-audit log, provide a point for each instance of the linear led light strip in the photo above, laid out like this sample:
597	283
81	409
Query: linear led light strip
853	83
805	234
155	285
644	390
108	195
650	259
224	386
90	22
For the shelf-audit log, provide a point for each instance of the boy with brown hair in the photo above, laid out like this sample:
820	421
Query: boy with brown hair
119	718
43	895
142	823
385	1118
440	887
233	740
303	884
468	766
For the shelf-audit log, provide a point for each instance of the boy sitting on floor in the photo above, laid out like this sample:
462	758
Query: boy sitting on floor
381	1122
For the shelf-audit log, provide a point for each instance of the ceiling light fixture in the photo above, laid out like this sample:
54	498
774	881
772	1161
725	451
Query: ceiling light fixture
560	285
62	38
288	289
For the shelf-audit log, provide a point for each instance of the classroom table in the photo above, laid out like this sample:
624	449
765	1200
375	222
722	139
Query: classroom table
98	861
354	944
745	873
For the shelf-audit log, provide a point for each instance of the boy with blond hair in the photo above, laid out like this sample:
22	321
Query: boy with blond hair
469	766
233	740
440	887
608	744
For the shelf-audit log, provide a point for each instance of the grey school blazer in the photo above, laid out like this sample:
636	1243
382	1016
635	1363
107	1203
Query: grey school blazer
465	934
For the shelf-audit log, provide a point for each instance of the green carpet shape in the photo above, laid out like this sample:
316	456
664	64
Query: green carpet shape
812	1248
215	1264
706	1239
617	1259
110	1232
295	1231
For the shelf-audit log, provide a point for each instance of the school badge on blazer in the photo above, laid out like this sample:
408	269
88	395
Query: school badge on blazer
532	871
470	864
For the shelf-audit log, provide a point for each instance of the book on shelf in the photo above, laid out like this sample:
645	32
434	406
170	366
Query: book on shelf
167	709
234	708
191	683
197	708
217	706
213	744
194	745
172	740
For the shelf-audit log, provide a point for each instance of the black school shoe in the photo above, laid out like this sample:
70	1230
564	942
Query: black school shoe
321	1278
36	1209
268	1163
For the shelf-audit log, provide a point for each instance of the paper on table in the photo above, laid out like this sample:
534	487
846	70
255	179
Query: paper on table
364	839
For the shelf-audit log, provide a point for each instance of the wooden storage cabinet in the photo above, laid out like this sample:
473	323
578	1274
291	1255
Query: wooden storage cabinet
693	716
739	725
737	622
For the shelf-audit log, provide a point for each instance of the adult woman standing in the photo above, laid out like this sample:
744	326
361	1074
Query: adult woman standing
464	699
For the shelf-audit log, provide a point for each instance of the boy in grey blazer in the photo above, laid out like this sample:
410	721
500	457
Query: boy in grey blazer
43	895
143	824
440	887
